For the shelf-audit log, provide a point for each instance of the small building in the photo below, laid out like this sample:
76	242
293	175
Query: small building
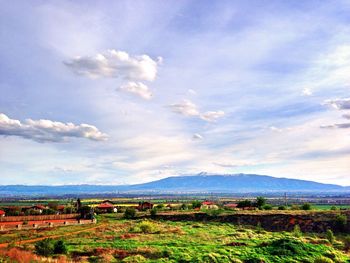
38	208
232	206
2	213
209	205
144	206
106	208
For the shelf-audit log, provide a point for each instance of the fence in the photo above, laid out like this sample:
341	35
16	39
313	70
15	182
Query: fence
38	218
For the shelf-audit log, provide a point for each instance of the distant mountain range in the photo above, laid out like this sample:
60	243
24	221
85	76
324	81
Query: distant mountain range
201	183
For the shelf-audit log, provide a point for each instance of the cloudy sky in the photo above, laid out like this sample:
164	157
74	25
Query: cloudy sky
119	92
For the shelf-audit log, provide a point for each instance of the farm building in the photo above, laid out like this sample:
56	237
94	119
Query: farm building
144	206
209	205
106	208
38	208
2	213
231	205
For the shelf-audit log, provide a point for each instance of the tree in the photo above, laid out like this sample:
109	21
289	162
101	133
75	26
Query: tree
340	222
260	202
244	203
45	247
130	213
306	206
60	247
196	204
153	212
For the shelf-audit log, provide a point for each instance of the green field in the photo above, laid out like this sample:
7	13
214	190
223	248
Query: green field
120	240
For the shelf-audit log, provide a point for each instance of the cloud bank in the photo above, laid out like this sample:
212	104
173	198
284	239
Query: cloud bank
47	130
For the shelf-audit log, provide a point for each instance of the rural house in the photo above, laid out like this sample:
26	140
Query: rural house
144	206
209	205
106	207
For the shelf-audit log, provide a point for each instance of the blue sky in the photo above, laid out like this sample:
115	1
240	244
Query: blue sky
119	92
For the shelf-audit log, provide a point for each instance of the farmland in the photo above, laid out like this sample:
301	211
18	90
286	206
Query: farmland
114	239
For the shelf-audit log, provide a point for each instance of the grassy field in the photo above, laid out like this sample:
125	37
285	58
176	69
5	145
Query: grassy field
119	240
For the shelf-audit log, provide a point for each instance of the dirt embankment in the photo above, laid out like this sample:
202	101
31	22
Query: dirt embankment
308	221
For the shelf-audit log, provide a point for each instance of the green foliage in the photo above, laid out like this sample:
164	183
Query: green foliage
134	259
45	247
306	206
153	212
260	202
267	207
196	204
340	222
297	231
334	208
244	203
60	247
323	259
146	227
160	206
346	242
330	236
282	207
48	247
130	213
184	206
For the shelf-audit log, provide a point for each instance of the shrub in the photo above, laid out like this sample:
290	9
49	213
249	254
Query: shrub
322	259
306	206
45	247
340	222
333	208
184	207
134	259
130	213
153	212
330	236
196	204
347	243
282	207
297	231
295	207
148	227
244	203
267	207
160	206
260	202
60	247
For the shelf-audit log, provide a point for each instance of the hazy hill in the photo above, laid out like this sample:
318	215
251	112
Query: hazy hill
238	183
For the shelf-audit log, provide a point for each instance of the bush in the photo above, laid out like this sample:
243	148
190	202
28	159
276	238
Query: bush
196	204
322	259
330	236
148	227
153	212
306	206
60	247
260	202
134	259
340	222
244	203
267	207
130	213
282	207
347	243
297	231
184	207
45	247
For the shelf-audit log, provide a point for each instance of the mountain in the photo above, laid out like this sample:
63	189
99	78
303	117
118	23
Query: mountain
201	183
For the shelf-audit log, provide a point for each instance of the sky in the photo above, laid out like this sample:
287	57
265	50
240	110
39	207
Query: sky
125	92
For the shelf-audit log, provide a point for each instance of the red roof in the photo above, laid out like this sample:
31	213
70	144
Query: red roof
2	212
60	207
207	203
39	207
105	205
231	205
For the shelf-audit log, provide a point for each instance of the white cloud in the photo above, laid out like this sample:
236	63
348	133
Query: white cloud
47	130
137	88
114	64
188	108
212	115
306	92
339	104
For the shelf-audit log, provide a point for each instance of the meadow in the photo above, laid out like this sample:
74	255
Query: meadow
115	239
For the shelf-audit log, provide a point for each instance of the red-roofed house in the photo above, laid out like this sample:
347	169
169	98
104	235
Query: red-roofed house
231	205
106	208
209	205
2	213
39	208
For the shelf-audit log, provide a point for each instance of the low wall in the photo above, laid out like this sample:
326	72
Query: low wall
43	224
308	222
38	217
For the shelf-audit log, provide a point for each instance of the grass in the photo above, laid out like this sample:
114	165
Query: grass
120	240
